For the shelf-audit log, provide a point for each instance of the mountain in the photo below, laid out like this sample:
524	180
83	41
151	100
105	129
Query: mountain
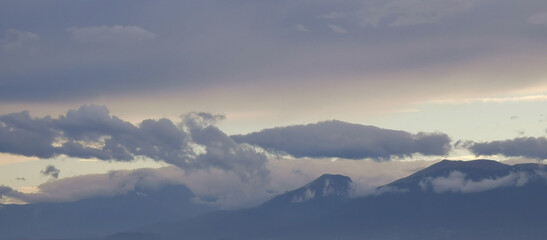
474	170
326	188
479	199
98	216
315	200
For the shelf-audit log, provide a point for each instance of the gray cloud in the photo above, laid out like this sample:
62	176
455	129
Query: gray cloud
529	147
255	43
91	132
346	140
51	171
457	182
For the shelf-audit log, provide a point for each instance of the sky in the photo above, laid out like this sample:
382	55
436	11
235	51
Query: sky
242	100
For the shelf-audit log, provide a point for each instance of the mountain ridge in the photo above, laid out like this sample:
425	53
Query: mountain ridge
414	214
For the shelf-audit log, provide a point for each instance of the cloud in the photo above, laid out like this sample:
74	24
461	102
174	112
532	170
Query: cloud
51	171
456	182
529	147
99	185
214	187
538	18
14	39
346	140
91	132
306	196
381	68
397	13
301	28
110	34
5	190
336	28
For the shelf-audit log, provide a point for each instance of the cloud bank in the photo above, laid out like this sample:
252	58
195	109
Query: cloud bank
91	132
529	147
346	140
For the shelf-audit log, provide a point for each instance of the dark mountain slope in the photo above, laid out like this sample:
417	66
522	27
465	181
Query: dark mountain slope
98	216
315	200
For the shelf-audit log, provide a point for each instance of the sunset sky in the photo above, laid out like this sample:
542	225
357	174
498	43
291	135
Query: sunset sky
241	100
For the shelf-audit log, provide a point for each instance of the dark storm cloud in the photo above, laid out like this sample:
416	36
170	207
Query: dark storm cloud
529	147
51	171
346	140
91	132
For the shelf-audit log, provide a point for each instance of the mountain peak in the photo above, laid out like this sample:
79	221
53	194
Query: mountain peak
327	186
330	185
474	170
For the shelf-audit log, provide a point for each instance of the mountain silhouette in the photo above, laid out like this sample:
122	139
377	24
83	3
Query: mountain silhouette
494	201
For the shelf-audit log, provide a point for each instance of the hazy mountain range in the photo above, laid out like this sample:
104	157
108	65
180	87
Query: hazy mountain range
479	199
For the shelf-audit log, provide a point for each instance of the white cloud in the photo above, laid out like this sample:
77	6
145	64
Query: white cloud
306	196
110	34
457	182
538	18
336	28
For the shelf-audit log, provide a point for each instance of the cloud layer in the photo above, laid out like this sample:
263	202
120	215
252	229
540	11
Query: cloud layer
346	140
393	53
